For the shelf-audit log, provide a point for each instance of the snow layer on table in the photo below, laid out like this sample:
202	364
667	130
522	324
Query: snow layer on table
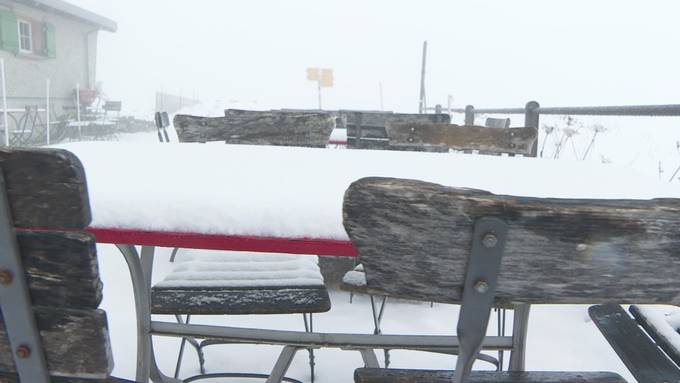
298	192
242	269
665	324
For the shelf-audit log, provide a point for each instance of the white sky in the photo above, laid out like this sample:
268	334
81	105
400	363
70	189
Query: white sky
486	53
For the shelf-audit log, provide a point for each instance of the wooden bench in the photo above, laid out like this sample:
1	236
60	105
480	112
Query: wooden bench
428	242
50	288
258	128
191	288
648	345
445	137
367	130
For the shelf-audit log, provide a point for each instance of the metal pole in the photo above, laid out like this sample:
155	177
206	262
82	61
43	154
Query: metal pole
531	115
469	115
423	104
449	102
80	133
4	101
318	83
47	111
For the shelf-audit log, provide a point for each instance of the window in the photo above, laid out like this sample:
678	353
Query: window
25	36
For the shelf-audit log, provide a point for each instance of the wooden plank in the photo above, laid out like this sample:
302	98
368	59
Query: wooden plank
76	343
13	378
46	188
373	124
378	375
642	357
240	301
482	139
414	239
258	128
666	344
61	268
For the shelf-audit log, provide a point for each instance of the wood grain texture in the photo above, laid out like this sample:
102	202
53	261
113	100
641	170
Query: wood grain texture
258	128
666	344
76	343
414	239
642	357
240	301
13	378
378	375
449	136
61	268
373	126
46	188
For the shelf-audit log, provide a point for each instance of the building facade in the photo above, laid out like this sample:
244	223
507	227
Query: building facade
48	39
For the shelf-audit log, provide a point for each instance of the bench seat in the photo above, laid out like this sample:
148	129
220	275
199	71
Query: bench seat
241	283
380	375
645	360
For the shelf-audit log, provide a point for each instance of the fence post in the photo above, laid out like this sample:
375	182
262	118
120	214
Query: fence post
469	115
531	115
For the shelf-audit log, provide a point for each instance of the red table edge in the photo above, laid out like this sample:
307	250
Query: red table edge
313	246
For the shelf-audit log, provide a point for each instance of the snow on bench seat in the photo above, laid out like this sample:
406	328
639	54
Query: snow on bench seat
241	283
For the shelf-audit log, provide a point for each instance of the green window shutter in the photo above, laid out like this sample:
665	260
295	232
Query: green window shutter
9	31
50	41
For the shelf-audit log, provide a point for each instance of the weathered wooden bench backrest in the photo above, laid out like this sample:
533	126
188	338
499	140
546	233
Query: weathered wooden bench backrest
367	130
258	128
419	136
414	240
47	192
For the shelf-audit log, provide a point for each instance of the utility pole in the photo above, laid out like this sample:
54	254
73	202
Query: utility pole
422	105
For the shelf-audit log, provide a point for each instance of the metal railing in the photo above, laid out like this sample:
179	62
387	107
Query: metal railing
532	111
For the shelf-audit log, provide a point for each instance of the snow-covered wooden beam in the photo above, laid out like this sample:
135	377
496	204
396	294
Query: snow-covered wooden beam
258	128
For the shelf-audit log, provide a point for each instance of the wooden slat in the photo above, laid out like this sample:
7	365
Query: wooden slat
240	301
666	344
378	375
46	188
76	343
258	128
13	378
641	356
483	139
373	126
414	239
61	268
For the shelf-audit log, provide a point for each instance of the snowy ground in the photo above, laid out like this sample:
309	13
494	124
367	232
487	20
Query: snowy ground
560	338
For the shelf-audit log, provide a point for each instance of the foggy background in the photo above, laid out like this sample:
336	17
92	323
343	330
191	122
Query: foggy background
253	54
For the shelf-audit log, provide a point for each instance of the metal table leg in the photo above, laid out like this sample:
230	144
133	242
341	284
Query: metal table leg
520	324
141	285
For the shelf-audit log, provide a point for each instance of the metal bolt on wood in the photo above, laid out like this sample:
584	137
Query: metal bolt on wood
6	277
23	352
489	240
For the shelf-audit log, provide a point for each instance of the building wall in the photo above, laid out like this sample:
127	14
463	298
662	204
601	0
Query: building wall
75	62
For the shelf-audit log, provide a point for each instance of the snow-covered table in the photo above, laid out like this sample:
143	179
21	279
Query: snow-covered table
289	200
